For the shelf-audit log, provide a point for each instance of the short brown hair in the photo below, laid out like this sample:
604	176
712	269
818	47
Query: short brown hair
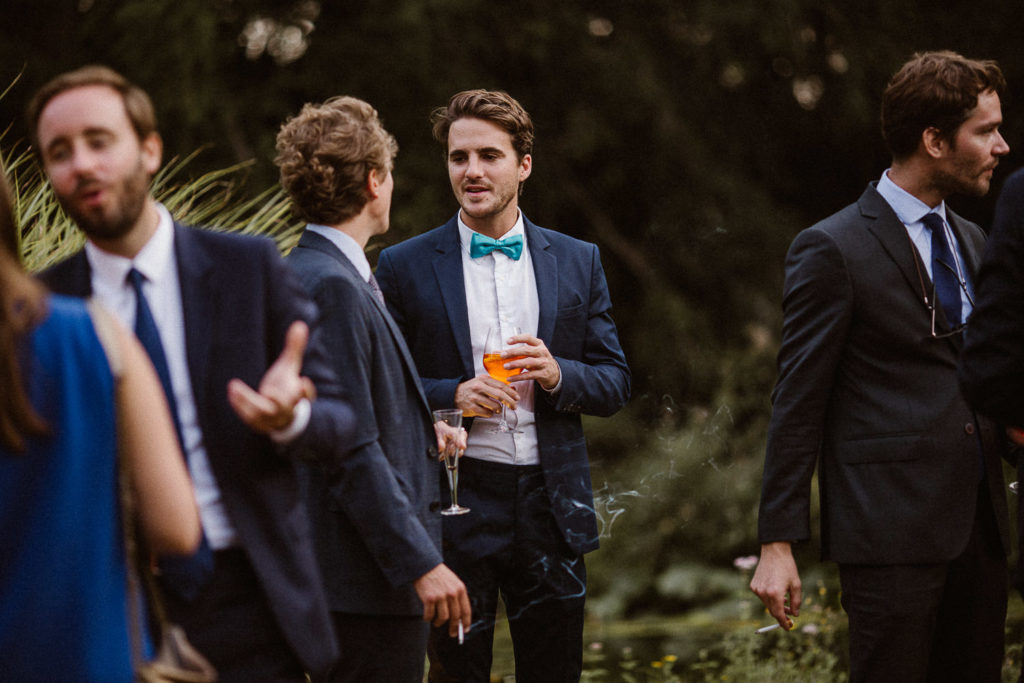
495	106
934	90
136	102
326	154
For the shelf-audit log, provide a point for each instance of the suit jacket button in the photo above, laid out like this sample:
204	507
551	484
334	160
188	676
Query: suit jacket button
969	427
432	452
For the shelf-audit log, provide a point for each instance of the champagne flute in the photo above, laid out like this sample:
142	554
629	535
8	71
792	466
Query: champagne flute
494	344
453	418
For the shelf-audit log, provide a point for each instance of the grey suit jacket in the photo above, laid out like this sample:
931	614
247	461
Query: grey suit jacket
866	391
376	514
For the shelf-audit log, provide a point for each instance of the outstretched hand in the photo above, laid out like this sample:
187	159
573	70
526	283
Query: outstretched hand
777	578
272	407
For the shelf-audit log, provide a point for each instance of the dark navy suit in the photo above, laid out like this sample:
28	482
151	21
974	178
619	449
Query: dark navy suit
375	514
238	300
423	283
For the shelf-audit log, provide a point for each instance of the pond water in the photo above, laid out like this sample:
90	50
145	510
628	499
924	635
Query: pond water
609	644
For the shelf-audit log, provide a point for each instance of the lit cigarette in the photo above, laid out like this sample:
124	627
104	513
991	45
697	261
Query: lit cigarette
765	629
462	634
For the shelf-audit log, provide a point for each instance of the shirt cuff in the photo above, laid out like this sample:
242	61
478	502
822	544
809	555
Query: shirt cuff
303	411
558	387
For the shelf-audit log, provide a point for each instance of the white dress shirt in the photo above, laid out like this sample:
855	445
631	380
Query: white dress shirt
501	291
156	261
910	210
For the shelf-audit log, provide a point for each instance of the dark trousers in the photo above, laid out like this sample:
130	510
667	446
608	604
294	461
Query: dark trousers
232	625
378	648
932	622
509	545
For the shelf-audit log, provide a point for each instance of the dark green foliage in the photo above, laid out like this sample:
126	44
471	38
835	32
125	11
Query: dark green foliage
689	140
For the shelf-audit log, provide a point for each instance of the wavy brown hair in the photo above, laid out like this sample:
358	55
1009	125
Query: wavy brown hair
22	304
496	106
326	154
934	90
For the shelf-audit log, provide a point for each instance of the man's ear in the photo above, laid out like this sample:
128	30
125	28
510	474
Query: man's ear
152	153
525	167
372	184
934	142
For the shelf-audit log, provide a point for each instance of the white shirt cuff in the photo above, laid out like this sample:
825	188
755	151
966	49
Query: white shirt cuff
303	411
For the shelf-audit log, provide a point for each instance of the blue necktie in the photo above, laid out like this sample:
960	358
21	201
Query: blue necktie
481	245
183	575
944	272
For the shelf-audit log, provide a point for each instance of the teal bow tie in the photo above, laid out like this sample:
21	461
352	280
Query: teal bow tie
481	245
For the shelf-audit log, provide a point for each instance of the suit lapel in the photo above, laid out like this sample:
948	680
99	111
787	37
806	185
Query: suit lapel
78	276
545	272
971	251
895	240
450	280
198	304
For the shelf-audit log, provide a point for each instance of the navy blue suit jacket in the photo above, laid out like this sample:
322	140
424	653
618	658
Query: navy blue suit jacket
238	300
376	513
423	284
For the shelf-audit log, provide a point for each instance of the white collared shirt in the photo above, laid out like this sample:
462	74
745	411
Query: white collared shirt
156	261
499	289
910	210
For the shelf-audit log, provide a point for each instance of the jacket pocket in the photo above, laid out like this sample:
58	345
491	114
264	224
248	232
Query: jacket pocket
880	448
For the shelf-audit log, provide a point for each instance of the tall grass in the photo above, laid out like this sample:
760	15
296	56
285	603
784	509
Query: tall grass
212	200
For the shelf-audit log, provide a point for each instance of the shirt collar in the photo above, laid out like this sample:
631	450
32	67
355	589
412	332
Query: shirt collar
466	232
154	260
348	246
909	209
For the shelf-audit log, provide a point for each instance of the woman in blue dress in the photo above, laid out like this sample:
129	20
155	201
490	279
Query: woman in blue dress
70	406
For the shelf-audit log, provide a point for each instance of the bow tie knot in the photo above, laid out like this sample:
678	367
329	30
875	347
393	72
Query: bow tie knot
481	245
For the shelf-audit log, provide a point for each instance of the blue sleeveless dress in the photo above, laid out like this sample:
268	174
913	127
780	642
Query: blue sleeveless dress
63	601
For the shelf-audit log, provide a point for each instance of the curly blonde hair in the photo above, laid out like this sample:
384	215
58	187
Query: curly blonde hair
326	154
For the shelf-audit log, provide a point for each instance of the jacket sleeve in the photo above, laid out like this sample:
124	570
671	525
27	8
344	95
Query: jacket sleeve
598	381
817	309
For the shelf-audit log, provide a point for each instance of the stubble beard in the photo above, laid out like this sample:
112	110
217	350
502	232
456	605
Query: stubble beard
501	203
964	183
131	193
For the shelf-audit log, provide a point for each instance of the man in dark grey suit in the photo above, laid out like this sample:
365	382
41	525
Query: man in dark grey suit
913	507
376	514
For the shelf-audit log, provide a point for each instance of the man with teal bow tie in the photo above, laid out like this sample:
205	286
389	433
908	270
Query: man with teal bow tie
531	513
